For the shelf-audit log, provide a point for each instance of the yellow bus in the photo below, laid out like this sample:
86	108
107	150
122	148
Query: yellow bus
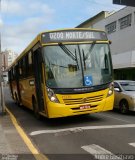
63	73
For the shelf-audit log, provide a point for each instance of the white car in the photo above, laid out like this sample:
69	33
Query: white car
124	95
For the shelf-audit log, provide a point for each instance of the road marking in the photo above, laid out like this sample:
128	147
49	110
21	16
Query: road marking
132	144
82	128
32	148
113	118
99	152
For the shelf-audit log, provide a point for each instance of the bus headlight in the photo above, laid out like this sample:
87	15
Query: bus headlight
52	96
111	89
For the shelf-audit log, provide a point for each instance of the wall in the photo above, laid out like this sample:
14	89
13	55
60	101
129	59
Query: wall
123	40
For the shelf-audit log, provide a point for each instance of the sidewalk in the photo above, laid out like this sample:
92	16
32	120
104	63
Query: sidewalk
12	147
10	140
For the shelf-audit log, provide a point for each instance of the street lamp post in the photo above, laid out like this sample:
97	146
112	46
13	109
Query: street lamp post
2	96
2	105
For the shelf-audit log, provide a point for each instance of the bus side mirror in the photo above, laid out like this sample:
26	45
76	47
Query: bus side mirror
110	42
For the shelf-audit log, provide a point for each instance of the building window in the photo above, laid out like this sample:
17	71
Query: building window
110	28
125	21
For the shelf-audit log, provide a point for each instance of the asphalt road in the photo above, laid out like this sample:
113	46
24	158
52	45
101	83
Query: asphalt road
105	135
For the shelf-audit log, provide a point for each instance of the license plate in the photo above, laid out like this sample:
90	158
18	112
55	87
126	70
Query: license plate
85	107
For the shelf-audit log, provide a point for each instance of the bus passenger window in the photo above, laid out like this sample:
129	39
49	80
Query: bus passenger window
20	71
30	64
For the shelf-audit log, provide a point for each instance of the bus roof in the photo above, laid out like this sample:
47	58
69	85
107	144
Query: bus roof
38	39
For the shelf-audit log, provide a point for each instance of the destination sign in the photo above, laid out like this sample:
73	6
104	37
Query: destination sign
73	35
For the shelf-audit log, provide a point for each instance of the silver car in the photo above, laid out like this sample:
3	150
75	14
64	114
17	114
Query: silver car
124	95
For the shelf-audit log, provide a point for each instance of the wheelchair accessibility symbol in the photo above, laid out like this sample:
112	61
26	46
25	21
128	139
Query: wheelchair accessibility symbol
88	80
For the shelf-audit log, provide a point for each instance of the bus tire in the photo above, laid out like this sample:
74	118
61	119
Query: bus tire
35	108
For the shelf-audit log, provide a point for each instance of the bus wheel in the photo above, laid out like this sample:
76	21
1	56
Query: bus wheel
35	108
124	108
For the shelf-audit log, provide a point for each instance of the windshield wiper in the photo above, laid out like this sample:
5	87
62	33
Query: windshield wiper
84	59
67	51
90	49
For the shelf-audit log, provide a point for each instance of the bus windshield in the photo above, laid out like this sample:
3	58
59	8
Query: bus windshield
77	65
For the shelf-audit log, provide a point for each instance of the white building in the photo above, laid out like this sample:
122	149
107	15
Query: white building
120	27
8	56
11	56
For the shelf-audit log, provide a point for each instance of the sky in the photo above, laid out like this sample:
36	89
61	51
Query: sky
22	20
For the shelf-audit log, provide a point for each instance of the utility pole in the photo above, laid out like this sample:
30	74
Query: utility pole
2	105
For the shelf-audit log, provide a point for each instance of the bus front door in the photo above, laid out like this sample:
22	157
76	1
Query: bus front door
37	58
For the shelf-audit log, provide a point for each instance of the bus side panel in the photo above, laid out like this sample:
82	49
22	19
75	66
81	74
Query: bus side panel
27	90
